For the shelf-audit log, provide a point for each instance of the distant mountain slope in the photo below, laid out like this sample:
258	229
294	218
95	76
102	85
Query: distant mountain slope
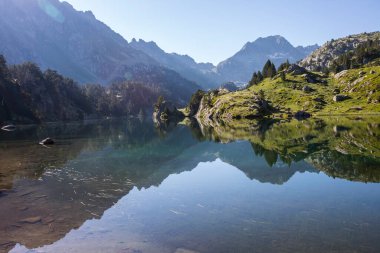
253	56
204	74
54	35
323	57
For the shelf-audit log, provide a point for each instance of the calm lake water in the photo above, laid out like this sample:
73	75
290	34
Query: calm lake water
127	186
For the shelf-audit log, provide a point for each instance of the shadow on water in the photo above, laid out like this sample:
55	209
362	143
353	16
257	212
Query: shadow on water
46	192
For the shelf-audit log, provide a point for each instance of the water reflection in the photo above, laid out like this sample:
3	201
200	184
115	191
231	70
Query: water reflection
106	170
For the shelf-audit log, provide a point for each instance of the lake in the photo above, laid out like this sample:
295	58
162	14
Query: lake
129	186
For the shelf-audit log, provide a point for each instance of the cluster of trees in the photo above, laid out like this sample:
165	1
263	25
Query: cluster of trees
269	71
28	94
356	58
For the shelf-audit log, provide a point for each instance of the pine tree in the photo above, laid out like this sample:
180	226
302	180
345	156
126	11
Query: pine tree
273	71
3	67
254	80
259	76
267	69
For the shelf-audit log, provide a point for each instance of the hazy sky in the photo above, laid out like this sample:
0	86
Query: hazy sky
213	30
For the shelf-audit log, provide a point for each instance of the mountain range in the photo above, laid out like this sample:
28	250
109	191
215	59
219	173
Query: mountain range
253	56
54	35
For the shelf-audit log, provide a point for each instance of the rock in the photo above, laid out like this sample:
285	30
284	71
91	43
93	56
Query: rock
31	220
372	72
307	89
338	129
340	97
336	91
9	128
294	69
356	108
340	74
166	111
302	115
310	78
319	100
47	141
362	73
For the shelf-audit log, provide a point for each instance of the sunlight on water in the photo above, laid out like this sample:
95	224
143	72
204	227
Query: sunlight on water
51	11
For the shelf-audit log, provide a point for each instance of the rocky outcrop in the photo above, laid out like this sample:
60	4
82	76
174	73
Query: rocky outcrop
226	109
166	111
296	70
323	57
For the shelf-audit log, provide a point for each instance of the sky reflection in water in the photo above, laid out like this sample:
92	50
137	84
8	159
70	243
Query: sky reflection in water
209	197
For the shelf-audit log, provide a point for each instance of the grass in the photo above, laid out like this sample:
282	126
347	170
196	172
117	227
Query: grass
288	97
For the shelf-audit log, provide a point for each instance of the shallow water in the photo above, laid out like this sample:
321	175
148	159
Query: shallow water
126	186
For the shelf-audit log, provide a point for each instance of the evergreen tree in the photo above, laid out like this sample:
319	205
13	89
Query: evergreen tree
254	80
3	67
267	69
283	76
259	76
283	66
273	71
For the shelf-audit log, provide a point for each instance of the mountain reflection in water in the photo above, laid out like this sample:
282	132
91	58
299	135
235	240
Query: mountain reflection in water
139	187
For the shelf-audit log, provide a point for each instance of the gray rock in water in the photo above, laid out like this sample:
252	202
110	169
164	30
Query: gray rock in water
340	97
47	141
9	128
31	220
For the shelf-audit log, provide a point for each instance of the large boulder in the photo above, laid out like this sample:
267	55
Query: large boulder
294	69
340	97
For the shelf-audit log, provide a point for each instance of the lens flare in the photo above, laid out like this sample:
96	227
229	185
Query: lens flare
51	10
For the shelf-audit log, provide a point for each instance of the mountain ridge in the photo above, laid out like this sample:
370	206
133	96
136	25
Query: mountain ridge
253	55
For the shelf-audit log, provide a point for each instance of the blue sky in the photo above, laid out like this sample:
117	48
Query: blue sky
213	30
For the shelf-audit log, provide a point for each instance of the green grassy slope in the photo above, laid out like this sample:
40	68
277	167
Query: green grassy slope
287	97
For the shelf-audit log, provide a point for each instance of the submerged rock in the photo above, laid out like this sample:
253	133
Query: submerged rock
9	128
31	220
47	141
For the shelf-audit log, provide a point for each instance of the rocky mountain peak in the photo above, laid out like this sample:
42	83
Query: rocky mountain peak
253	56
324	56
